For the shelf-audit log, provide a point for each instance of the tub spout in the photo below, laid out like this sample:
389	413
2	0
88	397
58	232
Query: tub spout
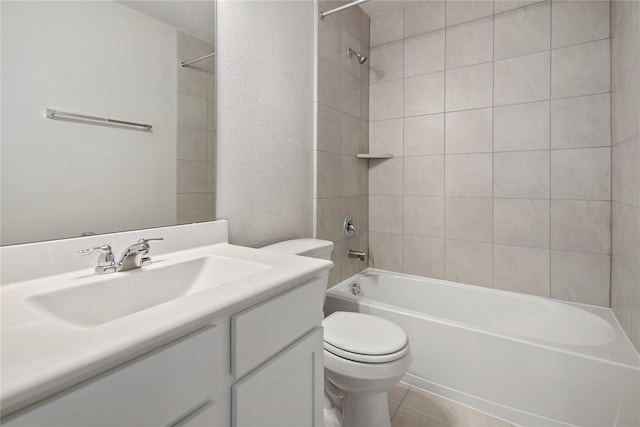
361	255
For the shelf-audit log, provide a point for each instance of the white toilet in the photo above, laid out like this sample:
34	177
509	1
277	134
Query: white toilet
364	355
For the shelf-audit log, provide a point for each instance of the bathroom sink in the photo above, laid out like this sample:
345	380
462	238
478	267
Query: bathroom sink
110	297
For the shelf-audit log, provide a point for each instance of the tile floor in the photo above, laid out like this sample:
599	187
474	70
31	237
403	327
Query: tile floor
412	407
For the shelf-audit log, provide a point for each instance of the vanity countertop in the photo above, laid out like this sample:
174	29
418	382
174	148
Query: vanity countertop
42	355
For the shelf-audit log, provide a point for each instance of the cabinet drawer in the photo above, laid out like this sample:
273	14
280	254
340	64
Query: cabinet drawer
263	330
155	389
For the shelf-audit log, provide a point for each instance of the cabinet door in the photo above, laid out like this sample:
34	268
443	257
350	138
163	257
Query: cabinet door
286	391
153	390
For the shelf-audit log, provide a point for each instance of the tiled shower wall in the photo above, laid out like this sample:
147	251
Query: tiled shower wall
342	108
498	117
196	153
625	265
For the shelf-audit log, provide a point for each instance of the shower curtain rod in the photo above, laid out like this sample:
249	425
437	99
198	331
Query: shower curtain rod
341	8
185	63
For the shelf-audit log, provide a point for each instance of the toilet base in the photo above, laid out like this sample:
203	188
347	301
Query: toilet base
366	410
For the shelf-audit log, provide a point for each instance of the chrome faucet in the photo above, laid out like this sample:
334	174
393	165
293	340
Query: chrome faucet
106	262
132	257
135	255
361	255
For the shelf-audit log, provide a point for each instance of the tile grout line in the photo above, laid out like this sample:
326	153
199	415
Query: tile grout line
550	134
493	152
444	152
400	402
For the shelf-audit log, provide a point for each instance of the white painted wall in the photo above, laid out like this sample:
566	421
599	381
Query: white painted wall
265	119
62	178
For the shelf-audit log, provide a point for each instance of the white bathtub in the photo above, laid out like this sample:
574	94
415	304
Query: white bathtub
532	361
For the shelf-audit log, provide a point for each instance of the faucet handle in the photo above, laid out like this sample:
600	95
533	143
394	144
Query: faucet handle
103	248
106	261
149	240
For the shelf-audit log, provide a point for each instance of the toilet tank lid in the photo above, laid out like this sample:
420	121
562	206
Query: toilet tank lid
305	247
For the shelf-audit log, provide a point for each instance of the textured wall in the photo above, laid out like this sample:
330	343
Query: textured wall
342	108
625	265
498	115
265	120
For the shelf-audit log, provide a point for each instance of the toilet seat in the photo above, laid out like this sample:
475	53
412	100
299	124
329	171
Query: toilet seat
364	338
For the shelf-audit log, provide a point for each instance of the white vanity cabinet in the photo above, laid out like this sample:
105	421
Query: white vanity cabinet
256	367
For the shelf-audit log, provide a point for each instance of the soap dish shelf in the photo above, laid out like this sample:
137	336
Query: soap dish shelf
374	156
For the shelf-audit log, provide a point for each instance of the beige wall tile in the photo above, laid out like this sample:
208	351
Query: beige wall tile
469	131
192	112
387	27
329	129
386	100
350	95
423	17
424	256
352	21
193	81
424	135
386	251
424	94
579	21
386	136
329	168
581	226
521	127
523	174
192	207
385	214
521	222
522	79
467	10
424	175
468	175
386	176
625	237
192	144
580	122
386	62
469	262
329	225
583	174
580	70
350	64
365	25
469	87
330	40
191	176
350	135
424	216
469	218
329	83
519	269
424	54
580	277
626	172
211	177
470	43
506	5
349	176
523	31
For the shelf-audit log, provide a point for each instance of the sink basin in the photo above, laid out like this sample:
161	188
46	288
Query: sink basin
110	297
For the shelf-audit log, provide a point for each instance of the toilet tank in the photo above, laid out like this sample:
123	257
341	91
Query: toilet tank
314	248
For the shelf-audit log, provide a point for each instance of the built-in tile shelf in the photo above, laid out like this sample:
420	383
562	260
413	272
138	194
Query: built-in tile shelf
374	156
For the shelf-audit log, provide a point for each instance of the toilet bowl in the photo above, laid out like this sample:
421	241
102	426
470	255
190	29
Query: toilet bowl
364	355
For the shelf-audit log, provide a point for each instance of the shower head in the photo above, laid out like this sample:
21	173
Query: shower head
361	57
